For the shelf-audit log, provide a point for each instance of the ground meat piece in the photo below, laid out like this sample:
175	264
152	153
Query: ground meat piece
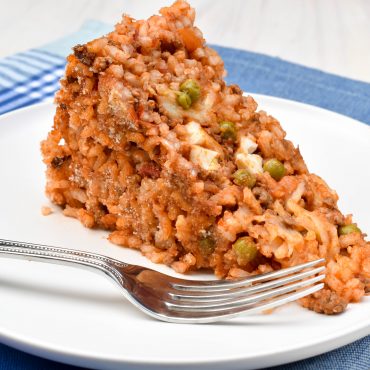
263	196
324	301
57	162
71	79
101	64
170	46
367	285
235	89
83	55
149	169
332	215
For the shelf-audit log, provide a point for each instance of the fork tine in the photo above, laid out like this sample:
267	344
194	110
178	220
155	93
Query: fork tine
216	296
217	285
208	317
241	302
283	300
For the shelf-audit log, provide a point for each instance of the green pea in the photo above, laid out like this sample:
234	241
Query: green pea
228	130
245	250
192	88
243	177
348	229
207	245
275	168
184	100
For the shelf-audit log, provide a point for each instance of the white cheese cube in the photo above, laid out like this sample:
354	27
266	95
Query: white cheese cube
205	158
247	146
196	134
251	162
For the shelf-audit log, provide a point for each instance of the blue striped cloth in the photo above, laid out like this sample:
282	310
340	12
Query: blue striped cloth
28	78
31	77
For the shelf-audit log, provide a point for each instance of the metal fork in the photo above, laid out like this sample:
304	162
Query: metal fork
179	300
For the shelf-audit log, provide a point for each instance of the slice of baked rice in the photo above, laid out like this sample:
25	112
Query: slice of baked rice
149	142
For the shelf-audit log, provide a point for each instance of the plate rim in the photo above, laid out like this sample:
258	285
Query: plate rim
330	342
83	358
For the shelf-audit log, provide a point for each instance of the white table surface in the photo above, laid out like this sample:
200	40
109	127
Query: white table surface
332	35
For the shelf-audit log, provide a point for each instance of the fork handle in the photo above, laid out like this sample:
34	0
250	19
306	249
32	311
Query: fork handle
71	252
37	252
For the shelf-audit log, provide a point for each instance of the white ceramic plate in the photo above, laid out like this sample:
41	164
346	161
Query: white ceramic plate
80	318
